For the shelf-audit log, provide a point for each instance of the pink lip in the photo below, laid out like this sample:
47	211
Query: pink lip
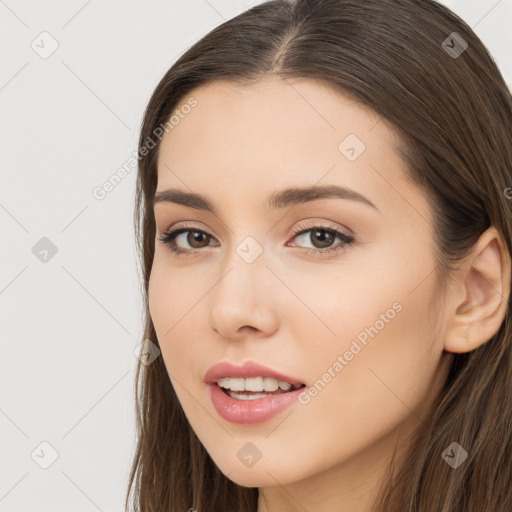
248	411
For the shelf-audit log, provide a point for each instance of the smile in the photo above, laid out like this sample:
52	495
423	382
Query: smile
250	393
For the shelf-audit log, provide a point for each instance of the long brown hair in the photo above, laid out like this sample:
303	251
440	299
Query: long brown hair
453	112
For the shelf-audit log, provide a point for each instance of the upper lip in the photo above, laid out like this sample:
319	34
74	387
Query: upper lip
248	369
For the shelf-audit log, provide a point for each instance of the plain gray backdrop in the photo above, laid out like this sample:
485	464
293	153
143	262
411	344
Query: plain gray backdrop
76	77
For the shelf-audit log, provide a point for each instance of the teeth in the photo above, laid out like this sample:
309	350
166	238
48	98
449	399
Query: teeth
254	384
233	384
241	396
268	384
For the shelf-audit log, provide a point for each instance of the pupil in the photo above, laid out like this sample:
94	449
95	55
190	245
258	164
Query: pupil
324	239
195	237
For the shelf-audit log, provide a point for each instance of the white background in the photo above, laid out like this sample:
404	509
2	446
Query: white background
69	326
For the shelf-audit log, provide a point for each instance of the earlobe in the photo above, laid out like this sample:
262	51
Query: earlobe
480	295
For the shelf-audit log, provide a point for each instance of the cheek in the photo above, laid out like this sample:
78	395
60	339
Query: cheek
161	299
171	294
383	303
168	301
379	384
383	358
370	340
176	302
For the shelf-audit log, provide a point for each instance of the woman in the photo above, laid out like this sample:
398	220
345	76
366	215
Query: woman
323	217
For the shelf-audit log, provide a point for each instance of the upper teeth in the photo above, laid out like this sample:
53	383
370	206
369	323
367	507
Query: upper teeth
253	384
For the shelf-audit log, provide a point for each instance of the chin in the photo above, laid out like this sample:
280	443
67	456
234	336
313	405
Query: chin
260	475
252	478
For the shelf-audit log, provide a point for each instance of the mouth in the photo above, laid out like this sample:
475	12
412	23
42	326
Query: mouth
250	394
254	388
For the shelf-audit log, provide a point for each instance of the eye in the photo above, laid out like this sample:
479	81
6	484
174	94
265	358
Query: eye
196	238
322	238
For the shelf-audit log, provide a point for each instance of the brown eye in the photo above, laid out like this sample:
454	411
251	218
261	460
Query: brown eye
322	238
196	238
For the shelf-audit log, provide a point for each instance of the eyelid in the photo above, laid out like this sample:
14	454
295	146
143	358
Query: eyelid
298	229
189	225
321	224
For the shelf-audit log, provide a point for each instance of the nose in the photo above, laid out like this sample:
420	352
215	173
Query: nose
245	300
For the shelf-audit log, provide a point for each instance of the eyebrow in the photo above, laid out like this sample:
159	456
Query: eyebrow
279	199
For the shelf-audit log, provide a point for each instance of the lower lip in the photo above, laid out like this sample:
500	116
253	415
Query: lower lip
251	411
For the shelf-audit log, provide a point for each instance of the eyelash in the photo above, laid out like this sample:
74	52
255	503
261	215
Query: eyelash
169	236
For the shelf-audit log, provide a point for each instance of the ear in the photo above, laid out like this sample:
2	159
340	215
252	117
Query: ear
479	294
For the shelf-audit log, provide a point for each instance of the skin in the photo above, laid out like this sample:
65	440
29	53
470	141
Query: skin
297	312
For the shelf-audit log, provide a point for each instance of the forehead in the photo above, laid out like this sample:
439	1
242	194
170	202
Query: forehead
275	133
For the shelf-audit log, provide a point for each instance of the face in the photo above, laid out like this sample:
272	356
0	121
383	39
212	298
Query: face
333	291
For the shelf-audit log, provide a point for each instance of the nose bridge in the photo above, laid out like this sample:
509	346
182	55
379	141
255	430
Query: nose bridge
244	266
242	296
